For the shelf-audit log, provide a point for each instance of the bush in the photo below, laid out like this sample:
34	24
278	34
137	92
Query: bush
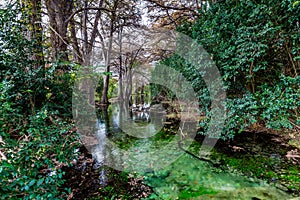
34	142
279	105
34	157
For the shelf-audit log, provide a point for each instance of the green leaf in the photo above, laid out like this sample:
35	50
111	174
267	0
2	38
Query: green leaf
31	183
296	3
26	188
297	58
40	181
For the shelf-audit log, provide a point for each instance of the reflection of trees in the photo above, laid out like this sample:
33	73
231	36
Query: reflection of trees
137	146
105	152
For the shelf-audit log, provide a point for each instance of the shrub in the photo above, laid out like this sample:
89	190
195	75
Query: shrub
34	157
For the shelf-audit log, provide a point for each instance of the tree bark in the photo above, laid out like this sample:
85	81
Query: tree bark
142	95
59	11
128	87
104	99
34	8
120	80
77	54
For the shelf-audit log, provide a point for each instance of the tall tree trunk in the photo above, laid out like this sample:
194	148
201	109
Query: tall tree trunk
77	55
104	99
34	8
136	93
128	87
142	95
59	11
82	55
85	33
120	84
95	29
120	80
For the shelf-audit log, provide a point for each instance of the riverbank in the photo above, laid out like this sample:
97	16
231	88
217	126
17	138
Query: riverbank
89	180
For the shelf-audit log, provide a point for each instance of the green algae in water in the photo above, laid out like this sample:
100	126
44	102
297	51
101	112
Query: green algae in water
186	177
189	178
193	192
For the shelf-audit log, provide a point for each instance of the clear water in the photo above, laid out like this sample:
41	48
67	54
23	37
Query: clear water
171	173
189	178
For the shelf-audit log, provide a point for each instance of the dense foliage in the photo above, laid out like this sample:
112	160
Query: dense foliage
255	46
34	141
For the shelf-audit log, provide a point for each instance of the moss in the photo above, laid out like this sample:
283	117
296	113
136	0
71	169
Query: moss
265	168
295	143
257	166
291	178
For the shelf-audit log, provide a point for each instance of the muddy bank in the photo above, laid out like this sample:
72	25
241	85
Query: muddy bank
89	180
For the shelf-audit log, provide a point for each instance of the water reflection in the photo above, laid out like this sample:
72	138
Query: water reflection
139	123
123	136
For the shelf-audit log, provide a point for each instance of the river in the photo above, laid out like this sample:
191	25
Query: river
137	142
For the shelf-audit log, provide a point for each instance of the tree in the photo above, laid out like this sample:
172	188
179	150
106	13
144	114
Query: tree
139	47
59	13
123	14
34	10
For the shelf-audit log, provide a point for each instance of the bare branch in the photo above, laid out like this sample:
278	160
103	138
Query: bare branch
87	8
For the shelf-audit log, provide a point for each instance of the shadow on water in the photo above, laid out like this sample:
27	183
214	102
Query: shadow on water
130	140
